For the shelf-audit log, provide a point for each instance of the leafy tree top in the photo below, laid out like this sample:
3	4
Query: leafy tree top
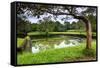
77	12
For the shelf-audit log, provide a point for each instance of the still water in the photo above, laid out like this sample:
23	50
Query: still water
55	43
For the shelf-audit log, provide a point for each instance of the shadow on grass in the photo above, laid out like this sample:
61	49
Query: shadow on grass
89	52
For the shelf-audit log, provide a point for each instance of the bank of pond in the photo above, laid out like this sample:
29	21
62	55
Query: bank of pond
42	49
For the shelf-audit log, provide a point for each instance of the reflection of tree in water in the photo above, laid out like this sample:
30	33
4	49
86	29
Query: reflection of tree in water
44	43
67	42
66	38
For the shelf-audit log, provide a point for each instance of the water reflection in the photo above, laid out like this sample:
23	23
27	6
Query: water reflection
65	43
54	43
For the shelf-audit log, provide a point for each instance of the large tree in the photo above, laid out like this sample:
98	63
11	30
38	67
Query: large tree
76	12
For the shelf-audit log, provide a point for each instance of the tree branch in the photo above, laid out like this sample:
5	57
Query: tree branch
63	13
58	13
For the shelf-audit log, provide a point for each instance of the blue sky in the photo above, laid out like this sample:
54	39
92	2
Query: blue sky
33	19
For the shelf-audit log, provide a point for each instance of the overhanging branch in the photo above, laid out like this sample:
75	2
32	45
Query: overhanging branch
63	13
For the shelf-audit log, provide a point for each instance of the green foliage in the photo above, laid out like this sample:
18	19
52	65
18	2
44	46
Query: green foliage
67	25
93	22
77	25
45	25
23	26
81	25
34	26
59	27
74	25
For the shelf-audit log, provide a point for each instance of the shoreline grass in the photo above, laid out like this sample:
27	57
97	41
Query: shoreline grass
60	33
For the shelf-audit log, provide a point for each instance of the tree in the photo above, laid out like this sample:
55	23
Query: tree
59	27
67	25
46	25
76	12
78	25
23	26
74	25
81	25
34	26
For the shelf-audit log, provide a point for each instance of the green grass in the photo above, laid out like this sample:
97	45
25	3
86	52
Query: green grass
36	33
69	54
59	33
19	42
76	30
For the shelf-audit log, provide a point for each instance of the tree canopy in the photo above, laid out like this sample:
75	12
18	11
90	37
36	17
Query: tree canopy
39	9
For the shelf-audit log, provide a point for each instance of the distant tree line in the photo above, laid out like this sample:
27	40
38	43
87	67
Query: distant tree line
47	25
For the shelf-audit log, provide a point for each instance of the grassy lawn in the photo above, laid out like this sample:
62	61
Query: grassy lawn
36	33
68	54
58	33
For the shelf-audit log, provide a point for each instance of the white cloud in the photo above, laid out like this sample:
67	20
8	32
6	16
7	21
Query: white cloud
35	20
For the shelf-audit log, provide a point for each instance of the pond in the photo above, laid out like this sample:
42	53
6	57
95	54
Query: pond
43	44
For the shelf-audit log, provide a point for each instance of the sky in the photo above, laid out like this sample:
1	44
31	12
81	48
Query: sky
33	19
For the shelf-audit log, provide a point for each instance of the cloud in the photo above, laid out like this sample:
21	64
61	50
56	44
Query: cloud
33	19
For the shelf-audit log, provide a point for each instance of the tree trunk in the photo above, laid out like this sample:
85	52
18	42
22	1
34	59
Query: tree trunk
88	30
89	34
